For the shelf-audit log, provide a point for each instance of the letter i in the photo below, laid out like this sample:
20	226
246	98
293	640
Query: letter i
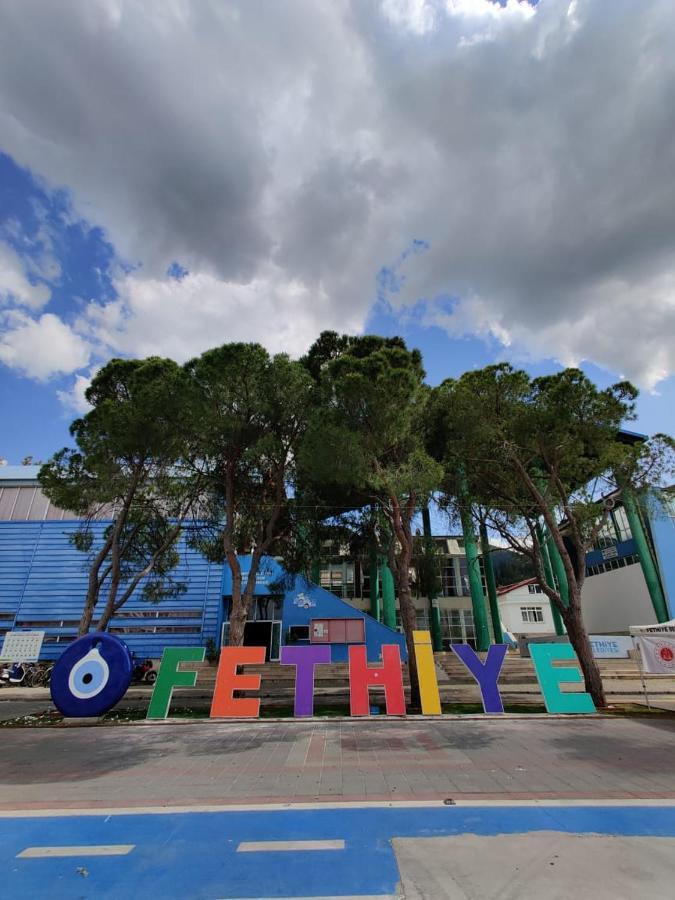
426	672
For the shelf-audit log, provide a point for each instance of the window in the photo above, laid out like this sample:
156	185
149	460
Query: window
448	581
623	531
534	588
159	614
337	631
610	564
156	629
337	576
463	577
532	613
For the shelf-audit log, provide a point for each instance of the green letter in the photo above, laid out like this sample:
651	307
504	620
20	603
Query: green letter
550	679
169	677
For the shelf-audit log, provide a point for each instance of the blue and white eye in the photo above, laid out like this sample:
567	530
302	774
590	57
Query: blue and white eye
89	676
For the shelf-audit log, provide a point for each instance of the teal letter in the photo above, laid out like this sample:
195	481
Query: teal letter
550	679
169	677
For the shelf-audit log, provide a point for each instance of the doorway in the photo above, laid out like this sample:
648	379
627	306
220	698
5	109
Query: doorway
265	634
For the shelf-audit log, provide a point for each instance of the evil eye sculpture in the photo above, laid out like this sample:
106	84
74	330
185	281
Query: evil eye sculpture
91	676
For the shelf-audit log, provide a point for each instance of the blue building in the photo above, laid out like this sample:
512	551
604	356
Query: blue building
43	583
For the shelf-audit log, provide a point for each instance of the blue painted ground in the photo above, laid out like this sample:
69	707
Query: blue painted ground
193	855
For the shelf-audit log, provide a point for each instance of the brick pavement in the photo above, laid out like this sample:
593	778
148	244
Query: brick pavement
277	762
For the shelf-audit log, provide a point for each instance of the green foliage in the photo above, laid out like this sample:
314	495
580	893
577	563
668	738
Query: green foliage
127	468
247	416
510	567
525	445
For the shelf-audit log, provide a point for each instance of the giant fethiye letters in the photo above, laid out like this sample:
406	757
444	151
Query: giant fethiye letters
363	676
94	673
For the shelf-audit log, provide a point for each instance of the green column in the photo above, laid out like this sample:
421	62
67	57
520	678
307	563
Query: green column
558	567
388	596
480	621
315	575
375	605
550	581
649	569
434	611
491	586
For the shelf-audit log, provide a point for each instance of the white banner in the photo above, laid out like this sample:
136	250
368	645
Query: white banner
658	653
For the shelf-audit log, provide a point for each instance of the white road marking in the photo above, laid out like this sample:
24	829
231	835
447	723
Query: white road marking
276	846
75	850
347	804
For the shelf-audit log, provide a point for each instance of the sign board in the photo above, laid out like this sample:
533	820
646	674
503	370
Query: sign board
610	646
22	646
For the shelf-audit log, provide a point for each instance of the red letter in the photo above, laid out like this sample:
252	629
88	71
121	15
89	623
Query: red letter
228	681
388	676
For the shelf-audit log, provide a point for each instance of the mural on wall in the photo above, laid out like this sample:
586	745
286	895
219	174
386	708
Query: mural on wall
94	673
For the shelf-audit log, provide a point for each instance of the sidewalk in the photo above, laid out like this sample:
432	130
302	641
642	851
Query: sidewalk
378	760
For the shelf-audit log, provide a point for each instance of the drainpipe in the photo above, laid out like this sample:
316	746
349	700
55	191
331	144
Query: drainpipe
434	611
649	569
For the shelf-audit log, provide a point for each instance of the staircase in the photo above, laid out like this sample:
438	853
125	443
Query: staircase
518	684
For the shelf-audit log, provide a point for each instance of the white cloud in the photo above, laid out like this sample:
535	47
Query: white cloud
182	318
284	153
15	286
73	400
41	348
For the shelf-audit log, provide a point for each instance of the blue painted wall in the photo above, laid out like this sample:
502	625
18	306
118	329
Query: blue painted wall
662	526
43	583
304	601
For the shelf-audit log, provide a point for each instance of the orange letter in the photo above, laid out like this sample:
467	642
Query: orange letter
388	676
228	681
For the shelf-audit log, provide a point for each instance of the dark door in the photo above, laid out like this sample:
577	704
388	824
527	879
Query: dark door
258	634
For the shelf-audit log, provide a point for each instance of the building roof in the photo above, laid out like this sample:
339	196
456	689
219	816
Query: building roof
19	473
512	587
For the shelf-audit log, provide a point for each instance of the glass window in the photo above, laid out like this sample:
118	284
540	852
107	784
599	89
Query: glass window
623	531
448	580
532	613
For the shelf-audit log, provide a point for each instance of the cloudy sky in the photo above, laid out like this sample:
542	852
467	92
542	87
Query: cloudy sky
491	180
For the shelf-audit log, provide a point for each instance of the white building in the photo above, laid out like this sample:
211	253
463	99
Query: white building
525	609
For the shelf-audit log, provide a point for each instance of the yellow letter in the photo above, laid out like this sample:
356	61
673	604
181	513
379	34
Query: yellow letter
426	671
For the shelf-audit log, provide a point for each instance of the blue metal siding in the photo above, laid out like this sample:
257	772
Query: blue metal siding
43	579
623	548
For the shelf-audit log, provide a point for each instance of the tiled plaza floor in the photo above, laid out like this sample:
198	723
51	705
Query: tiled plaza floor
277	762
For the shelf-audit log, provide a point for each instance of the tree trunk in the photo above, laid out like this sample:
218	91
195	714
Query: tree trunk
409	622
405	601
238	619
93	588
578	636
238	611
87	614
